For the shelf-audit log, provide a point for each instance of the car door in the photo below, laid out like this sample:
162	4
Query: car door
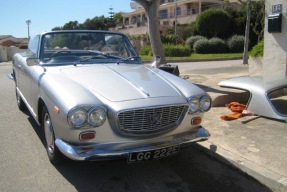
25	72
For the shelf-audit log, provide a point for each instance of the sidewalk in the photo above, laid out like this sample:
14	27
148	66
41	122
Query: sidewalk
257	147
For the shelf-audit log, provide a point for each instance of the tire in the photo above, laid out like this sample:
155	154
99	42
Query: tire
54	154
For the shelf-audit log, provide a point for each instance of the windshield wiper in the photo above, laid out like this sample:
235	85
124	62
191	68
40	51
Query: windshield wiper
99	55
123	60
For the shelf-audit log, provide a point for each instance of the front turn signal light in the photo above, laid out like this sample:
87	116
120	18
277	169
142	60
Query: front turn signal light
89	135
196	121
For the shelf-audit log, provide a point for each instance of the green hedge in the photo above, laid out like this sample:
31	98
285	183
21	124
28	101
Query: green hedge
213	45
177	50
217	45
236	44
257	50
170	50
191	40
146	50
168	39
213	22
202	46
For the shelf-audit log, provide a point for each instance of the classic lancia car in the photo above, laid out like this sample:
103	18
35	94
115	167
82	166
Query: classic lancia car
95	99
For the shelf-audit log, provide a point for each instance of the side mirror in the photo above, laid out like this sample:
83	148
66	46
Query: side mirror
31	61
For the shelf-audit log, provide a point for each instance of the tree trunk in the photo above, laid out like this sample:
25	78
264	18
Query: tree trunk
247	29
151	8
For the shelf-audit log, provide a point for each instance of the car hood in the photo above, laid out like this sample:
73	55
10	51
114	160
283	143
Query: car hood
122	82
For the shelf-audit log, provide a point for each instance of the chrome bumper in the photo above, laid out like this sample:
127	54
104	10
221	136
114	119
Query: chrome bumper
110	151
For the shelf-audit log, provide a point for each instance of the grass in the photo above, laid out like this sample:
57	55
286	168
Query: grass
195	56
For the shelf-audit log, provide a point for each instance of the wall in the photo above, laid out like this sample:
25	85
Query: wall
7	53
3	54
275	45
11	51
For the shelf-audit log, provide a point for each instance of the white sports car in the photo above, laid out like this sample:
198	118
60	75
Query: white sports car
96	100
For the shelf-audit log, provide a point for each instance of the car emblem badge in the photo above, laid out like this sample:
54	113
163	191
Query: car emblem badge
155	118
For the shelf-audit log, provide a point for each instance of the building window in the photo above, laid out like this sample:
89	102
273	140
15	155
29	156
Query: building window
163	14
162	2
170	1
178	11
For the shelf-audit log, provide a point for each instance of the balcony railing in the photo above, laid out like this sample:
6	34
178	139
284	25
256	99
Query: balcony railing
182	13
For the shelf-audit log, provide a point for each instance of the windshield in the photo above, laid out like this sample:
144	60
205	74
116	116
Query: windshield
76	47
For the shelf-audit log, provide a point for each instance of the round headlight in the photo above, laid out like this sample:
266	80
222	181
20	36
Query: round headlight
193	104
77	117
97	116
205	103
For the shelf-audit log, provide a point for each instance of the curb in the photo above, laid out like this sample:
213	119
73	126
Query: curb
196	60
267	177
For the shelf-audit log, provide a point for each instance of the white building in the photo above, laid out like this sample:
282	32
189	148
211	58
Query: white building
135	23
275	43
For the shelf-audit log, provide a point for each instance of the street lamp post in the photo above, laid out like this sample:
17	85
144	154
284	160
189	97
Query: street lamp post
28	22
175	21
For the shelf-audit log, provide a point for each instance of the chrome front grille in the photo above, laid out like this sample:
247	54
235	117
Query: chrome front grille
148	121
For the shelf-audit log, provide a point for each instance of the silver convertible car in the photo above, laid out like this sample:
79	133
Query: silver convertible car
95	100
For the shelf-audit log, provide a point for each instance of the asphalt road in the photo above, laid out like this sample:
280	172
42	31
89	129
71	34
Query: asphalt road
24	165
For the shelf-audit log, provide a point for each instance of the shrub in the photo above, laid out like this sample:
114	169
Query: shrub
217	45
202	46
146	50
213	45
193	29
236	44
168	39
170	50
212	22
172	39
257	50
176	50
191	40
184	31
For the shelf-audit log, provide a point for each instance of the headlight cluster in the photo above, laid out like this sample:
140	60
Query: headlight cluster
202	103
80	116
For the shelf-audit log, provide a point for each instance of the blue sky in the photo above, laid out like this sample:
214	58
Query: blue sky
47	14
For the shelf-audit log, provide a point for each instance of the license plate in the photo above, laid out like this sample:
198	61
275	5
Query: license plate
153	154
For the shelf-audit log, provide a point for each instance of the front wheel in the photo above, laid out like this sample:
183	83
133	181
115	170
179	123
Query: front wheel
54	154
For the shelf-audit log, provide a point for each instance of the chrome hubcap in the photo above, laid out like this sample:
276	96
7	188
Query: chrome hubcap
49	133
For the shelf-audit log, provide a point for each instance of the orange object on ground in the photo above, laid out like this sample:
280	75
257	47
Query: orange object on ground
237	110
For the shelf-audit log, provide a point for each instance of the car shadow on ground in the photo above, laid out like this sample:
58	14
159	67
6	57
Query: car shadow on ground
182	172
38	130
